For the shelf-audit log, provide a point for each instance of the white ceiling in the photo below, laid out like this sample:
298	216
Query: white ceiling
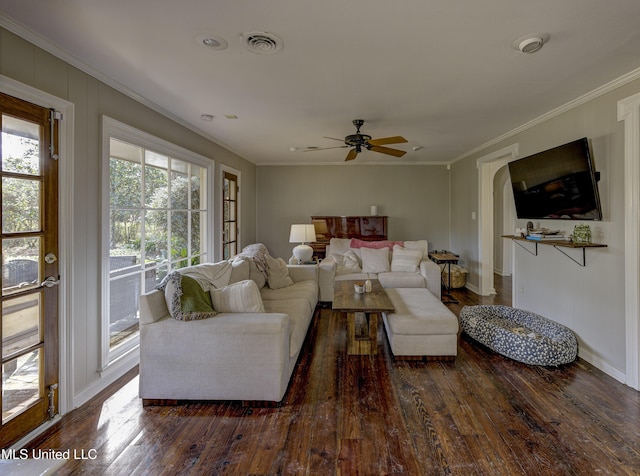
442	73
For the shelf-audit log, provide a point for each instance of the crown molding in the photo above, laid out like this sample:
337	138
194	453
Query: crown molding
45	44
596	93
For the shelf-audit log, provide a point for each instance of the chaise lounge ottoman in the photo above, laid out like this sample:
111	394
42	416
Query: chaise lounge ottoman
421	326
520	335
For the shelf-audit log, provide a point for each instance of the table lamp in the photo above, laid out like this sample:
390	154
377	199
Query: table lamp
302	234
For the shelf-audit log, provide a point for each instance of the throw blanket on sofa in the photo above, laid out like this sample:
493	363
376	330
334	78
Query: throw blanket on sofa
258	253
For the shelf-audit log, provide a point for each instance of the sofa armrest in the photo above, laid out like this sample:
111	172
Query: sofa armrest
432	274
326	275
153	307
303	272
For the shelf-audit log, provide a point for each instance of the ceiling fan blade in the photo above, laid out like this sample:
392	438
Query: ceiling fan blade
388	140
387	150
325	148
351	155
333	138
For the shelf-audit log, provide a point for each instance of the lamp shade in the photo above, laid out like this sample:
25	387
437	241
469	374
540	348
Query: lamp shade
302	234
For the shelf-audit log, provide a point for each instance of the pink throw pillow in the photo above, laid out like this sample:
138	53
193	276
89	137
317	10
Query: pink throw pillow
356	243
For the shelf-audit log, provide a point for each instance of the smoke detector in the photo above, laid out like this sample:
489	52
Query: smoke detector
261	42
530	43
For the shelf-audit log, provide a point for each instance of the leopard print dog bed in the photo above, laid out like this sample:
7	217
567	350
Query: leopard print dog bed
520	335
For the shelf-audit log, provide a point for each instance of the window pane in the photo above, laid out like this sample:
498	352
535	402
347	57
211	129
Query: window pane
20	384
20	146
125	183
20	323
197	191
156	187
156	235
20	264
125	290
125	233
179	234
179	192
20	205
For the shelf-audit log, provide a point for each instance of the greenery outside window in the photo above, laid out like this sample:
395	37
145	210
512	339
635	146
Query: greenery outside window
156	219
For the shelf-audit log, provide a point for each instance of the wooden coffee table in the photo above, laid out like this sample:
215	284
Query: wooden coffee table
361	340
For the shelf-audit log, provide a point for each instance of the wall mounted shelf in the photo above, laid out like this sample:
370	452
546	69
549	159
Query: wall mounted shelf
558	245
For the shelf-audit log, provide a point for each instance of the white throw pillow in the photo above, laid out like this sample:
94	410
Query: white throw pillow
405	260
375	260
239	269
347	263
278	273
339	246
243	296
421	245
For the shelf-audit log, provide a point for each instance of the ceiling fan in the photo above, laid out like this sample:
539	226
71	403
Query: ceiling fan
359	140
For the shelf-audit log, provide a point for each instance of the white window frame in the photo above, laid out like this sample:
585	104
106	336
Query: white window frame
112	129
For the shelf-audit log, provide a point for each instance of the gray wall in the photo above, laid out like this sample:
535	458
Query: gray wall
415	198
30	65
589	300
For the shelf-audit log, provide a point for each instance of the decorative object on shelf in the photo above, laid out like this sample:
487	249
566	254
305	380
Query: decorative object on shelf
374	210
582	233
302	234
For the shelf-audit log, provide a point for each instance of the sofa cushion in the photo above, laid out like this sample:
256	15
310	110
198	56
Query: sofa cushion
405	260
356	243
399	279
300	314
418	312
278	273
307	290
185	298
375	260
243	296
421	245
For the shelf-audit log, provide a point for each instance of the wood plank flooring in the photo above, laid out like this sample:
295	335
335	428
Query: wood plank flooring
362	415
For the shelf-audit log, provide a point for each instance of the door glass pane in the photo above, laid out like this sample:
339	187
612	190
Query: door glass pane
21	385
179	234
179	192
20	264
155	230
20	205
155	187
21	323
125	233
20	146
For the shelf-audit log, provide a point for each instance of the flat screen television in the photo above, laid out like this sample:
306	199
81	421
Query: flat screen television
559	183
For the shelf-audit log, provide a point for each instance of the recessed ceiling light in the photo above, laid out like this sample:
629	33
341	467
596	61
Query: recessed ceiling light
212	42
530	43
206	117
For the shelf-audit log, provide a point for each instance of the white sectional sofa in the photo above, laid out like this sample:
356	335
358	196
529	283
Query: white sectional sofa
247	356
407	265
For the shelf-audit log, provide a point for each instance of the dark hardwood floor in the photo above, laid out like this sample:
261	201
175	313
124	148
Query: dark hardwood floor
481	414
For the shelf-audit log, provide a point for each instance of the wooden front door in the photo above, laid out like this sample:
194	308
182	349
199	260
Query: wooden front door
29	234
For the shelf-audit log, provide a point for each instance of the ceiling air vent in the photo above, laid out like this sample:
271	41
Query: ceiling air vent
262	43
